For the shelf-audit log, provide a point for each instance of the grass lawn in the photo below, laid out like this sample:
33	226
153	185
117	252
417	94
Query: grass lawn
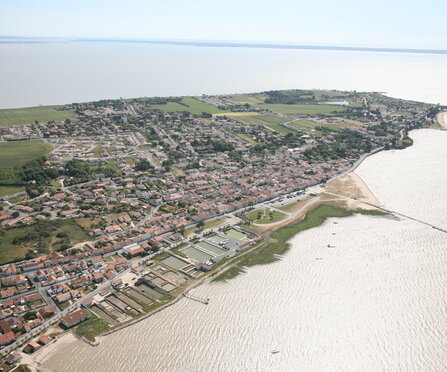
274	119
10	117
91	327
18	153
9	190
208	225
193	105
246	137
303	109
265	216
10	252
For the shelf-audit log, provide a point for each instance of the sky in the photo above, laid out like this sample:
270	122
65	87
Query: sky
378	23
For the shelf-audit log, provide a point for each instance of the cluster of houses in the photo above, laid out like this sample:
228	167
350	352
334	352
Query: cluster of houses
188	181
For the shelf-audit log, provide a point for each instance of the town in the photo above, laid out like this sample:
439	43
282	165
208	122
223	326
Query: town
134	201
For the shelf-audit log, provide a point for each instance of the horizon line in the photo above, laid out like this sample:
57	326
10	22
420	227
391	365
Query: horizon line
234	44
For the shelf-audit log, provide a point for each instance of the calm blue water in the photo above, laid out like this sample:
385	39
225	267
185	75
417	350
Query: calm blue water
65	72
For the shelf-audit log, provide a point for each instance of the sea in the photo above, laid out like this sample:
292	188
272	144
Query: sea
374	302
60	71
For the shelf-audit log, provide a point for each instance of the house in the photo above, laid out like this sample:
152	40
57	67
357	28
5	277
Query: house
97	261
13	281
41	275
47	312
113	229
7	338
11	269
133	250
87	302
63	297
75	318
12	358
31	347
139	269
43	340
98	277
110	274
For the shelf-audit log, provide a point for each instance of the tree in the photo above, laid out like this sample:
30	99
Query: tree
143	165
200	224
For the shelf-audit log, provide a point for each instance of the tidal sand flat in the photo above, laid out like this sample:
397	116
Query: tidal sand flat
374	300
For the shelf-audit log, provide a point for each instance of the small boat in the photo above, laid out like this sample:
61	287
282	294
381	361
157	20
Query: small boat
318	258
330	246
275	351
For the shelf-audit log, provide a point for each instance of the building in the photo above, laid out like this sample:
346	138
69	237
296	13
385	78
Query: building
75	318
12	358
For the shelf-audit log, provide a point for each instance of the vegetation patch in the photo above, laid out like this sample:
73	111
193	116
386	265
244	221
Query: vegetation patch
189	104
91	327
19	152
28	115
46	236
311	109
265	216
277	244
9	190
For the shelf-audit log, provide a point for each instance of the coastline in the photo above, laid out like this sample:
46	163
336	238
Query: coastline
344	195
442	119
274	244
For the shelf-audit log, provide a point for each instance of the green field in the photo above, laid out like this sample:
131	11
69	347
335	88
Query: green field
303	109
9	190
194	106
32	234
274	119
246	137
269	121
264	216
19	152
208	225
26	115
91	327
252	99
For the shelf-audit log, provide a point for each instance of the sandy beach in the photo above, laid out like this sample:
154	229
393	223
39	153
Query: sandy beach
36	360
442	119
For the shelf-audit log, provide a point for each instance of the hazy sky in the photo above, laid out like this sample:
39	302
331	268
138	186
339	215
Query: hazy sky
398	23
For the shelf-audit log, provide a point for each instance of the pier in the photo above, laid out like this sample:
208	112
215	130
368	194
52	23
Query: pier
406	216
202	300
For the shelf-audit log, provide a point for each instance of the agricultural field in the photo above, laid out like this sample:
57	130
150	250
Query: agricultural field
27	115
268	121
303	109
252	99
9	190
194	106
14	243
19	152
264	216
